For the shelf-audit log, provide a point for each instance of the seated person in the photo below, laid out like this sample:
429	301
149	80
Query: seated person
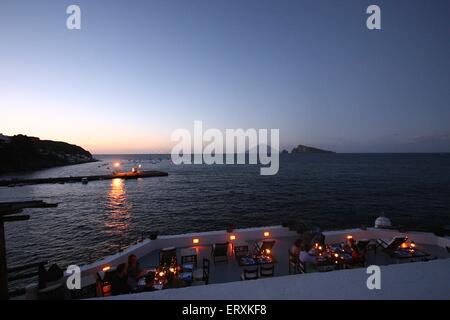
317	237
295	249
134	269
304	256
119	282
349	244
357	256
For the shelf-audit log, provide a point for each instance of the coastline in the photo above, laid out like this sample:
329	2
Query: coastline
30	171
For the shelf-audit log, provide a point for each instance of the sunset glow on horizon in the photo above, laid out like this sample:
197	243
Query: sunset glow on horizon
135	73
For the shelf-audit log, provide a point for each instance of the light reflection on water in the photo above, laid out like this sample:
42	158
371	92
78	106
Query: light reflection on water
119	208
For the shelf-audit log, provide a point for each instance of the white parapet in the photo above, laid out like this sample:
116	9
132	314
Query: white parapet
421	280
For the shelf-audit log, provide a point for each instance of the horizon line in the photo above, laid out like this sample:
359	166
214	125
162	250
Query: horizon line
301	153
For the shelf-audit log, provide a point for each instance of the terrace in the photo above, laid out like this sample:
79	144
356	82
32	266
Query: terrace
170	260
232	270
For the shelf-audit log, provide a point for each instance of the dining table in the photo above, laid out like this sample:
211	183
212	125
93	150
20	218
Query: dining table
332	256
256	260
162	278
409	254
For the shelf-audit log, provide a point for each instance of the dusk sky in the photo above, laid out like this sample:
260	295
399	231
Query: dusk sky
137	70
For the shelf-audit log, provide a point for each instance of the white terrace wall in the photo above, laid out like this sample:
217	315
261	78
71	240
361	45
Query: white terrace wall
185	240
243	235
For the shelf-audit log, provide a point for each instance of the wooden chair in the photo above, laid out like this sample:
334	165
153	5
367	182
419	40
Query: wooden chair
201	275
293	263
362	245
267	270
267	245
220	252
250	273
189	256
240	251
301	267
103	288
168	256
391	246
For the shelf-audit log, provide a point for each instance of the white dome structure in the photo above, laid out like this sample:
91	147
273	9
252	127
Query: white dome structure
383	222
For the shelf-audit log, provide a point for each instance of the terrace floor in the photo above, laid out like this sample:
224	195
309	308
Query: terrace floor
405	281
222	272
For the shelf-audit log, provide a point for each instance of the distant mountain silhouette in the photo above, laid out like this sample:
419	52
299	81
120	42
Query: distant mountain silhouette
20	153
305	149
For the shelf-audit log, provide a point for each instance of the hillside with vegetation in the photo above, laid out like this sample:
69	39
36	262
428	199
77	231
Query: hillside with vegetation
23	153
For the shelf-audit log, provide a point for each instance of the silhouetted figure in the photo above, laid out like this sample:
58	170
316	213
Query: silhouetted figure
119	283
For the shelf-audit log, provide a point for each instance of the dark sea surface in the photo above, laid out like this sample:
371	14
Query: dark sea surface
326	190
